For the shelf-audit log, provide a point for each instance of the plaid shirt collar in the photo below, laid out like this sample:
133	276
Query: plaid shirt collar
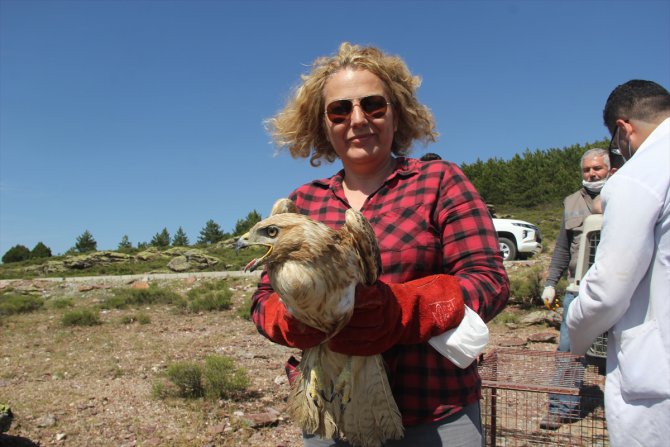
404	167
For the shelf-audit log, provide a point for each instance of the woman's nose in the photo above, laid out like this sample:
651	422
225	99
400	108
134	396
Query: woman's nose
357	116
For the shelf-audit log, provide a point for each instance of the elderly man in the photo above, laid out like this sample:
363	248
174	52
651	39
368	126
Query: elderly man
595	169
627	290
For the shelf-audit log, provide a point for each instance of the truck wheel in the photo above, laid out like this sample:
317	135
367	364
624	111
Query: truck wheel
507	248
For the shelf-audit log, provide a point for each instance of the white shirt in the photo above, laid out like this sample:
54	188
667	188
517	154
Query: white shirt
627	291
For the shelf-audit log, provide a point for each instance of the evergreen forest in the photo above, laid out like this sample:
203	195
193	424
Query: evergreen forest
530	179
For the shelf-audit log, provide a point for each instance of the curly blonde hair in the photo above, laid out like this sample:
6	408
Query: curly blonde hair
300	126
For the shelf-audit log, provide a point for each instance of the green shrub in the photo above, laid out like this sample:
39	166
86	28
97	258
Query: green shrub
210	296
219	378
139	297
527	289
506	317
81	317
244	311
222	378
187	377
61	303
143	318
19	304
140	318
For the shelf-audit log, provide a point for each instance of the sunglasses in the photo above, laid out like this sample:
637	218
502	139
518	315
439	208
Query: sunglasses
374	106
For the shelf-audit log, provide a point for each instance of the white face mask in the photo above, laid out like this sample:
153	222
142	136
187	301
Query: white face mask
594	186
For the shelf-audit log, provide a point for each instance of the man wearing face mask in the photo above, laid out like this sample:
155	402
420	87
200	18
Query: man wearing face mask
595	168
627	289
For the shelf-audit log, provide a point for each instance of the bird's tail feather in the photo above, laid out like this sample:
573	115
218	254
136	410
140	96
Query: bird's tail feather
342	396
372	417
312	402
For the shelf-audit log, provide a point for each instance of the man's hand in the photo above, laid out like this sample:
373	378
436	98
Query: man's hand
549	297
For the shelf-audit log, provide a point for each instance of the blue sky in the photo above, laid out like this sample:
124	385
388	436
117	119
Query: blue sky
124	117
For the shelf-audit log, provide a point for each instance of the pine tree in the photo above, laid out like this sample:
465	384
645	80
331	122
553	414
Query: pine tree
180	239
161	239
211	233
244	225
125	244
40	251
86	242
16	254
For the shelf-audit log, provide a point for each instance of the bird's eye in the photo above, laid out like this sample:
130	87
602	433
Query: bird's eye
273	231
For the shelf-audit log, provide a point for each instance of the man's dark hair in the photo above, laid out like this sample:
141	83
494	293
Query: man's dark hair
429	156
636	99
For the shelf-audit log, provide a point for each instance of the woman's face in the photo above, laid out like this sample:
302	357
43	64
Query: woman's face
360	138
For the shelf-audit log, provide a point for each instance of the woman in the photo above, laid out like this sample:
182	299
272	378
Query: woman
437	241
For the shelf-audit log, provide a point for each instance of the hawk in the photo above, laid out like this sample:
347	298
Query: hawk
315	270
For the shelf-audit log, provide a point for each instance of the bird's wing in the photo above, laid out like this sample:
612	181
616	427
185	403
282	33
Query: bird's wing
283	206
358	232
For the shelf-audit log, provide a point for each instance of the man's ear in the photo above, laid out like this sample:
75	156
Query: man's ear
625	127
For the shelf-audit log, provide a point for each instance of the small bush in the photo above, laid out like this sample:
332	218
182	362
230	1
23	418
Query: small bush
187	377
222	378
140	318
219	378
143	318
244	311
61	303
81	317
19	304
211	296
506	317
139	297
527	289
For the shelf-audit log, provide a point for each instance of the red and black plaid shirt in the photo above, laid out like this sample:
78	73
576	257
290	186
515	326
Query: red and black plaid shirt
428	219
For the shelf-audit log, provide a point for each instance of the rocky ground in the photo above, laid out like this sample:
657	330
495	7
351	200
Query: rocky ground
92	386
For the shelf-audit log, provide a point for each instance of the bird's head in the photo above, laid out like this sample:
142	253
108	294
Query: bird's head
282	234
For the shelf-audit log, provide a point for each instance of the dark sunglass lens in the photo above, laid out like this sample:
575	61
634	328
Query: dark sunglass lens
374	106
338	111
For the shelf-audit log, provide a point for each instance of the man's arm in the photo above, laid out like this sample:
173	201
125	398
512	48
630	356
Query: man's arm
624	253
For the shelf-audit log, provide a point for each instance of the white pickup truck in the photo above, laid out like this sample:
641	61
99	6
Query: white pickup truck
517	237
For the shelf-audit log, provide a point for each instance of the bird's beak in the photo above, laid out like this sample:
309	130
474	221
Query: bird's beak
255	263
243	242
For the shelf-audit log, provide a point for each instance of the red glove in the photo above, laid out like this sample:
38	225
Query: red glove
408	313
277	324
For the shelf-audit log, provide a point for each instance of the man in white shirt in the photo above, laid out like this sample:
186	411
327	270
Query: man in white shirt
627	290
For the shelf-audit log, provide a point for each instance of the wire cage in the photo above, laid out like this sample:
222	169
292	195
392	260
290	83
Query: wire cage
517	385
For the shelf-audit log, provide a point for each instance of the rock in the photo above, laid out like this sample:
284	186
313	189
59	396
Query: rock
61	436
269	417
543	337
148	254
140	285
190	258
48	420
179	264
88	260
551	318
514	341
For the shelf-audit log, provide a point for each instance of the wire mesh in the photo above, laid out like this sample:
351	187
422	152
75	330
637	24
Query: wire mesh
516	388
599	347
